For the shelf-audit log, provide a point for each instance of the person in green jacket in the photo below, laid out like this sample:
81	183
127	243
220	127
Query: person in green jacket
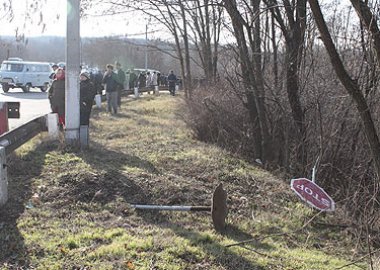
120	79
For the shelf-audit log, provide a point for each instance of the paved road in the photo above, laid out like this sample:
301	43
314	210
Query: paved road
32	104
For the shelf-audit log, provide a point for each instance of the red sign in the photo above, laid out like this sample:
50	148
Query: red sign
3	117
311	193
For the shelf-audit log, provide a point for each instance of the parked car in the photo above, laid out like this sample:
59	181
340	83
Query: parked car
25	74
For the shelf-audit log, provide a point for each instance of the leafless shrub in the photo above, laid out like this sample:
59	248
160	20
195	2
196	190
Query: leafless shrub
216	115
334	136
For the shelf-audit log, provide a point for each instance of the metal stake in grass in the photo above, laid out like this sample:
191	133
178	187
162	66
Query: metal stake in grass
218	208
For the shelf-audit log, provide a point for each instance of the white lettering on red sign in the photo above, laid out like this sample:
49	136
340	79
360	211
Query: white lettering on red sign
314	195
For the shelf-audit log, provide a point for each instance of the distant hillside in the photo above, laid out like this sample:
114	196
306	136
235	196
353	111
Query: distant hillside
95	51
45	48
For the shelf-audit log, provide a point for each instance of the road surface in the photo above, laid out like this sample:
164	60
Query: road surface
32	104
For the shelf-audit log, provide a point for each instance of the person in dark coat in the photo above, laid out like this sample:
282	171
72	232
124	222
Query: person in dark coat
132	80
109	80
87	95
96	78
142	80
57	96
120	79
172	80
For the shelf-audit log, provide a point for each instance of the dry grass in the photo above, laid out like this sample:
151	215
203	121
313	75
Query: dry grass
71	210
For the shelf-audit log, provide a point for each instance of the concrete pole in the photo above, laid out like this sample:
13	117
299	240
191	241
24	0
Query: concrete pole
3	177
146	47
72	73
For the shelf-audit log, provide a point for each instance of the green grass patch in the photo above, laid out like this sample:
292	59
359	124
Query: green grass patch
72	209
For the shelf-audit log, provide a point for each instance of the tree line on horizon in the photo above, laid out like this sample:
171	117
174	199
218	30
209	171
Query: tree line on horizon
95	52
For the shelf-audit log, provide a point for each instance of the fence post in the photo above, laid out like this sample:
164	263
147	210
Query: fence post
52	125
83	135
3	177
98	100
136	92
156	90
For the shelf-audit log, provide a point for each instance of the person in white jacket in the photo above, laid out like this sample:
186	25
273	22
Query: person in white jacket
153	79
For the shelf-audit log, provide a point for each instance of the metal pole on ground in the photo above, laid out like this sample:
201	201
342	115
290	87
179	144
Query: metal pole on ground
72	73
218	208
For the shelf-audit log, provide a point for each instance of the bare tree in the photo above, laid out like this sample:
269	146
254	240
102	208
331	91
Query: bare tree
371	23
350	85
292	23
193	25
6	12
206	26
249	50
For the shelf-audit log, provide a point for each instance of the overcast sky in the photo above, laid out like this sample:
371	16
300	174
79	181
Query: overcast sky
54	17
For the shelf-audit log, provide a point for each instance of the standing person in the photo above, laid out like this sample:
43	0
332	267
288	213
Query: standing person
148	81
132	80
164	80
158	78
87	95
57	96
120	79
172	79
153	79
141	80
110	83
96	79
52	75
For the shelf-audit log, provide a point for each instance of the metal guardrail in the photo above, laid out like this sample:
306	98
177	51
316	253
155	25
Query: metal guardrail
14	138
8	110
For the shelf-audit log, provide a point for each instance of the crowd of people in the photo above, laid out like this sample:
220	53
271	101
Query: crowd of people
112	81
56	96
150	79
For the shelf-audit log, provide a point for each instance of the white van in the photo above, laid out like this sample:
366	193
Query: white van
18	73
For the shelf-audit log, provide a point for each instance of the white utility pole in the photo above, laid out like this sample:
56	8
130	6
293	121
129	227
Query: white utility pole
72	73
146	46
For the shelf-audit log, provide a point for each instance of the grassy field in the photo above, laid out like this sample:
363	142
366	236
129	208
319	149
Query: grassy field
71	210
